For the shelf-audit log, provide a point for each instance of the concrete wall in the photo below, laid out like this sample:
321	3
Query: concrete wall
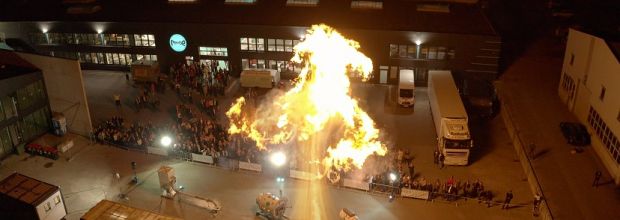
65	89
594	67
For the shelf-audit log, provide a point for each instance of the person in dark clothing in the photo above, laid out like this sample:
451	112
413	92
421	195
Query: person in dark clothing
597	178
509	197
441	160
436	157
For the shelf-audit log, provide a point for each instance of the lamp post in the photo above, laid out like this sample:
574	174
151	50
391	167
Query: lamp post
135	176
278	159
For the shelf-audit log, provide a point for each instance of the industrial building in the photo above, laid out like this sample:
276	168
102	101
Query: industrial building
236	35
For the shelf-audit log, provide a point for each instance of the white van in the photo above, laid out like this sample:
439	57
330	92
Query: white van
406	88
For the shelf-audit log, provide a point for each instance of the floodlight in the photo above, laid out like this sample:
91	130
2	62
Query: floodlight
393	176
165	141
278	158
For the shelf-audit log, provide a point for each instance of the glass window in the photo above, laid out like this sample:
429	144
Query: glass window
424	53
302	2
432	53
280	45
271	45
393	50
151	40
245	64
261	64
260	44
57	200
441	53
288	45
411	51
402	50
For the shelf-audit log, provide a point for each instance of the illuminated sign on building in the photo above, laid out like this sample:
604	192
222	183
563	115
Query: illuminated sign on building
178	43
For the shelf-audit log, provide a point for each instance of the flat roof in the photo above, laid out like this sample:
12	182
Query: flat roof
12	65
26	189
397	15
106	209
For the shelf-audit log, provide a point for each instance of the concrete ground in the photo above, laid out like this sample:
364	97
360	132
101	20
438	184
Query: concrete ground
530	88
88	177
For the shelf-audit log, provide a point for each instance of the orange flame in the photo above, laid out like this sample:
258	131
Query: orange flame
321	95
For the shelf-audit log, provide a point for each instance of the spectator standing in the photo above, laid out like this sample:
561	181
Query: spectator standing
436	157
597	178
411	170
537	200
117	100
441	160
509	197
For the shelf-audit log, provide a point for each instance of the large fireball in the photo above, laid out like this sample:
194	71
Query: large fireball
319	101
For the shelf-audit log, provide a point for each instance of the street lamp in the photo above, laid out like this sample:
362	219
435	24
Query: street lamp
165	141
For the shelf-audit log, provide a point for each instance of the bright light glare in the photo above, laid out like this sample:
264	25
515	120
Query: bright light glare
418	42
165	141
278	158
392	176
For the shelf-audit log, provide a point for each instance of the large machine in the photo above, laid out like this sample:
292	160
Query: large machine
271	206
453	137
259	78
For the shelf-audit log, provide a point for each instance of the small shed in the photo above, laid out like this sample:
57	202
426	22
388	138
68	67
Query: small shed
23	197
106	209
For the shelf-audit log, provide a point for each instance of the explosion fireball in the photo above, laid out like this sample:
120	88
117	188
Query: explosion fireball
319	99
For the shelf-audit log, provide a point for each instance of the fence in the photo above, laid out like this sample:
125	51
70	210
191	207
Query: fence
517	141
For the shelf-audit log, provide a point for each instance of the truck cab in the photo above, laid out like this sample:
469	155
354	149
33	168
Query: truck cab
406	88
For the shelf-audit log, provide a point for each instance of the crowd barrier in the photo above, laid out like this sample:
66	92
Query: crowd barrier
302	175
234	164
157	151
356	184
414	193
202	158
250	166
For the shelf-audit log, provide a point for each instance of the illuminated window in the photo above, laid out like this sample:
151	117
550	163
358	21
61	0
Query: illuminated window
252	44
213	51
144	40
367	4
47	207
57	200
182	1
302	2
249	2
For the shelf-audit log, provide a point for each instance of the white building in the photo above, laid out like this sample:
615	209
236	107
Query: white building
590	87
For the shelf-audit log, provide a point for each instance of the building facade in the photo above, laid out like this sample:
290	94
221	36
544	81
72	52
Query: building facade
394	34
24	107
590	88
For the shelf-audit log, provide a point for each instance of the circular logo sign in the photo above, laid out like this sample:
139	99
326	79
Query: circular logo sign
178	43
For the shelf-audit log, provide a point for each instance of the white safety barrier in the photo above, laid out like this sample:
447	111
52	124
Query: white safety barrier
250	166
414	193
157	150
356	184
202	158
302	175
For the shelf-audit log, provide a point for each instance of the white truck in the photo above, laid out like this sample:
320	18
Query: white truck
406	88
453	137
261	78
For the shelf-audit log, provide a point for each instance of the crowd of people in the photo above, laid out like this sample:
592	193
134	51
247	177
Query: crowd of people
208	80
136	135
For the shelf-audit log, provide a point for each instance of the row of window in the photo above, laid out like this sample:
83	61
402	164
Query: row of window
280	65
213	51
30	95
421	52
281	45
139	40
7	108
124	59
609	139
275	45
